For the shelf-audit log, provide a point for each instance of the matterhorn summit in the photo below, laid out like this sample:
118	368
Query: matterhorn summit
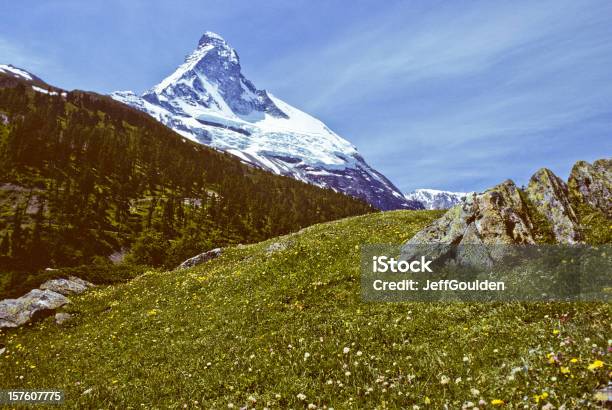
207	99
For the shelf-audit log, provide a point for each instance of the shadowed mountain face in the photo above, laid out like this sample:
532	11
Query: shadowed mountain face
208	100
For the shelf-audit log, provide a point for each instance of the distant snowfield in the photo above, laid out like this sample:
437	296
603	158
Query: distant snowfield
437	199
42	90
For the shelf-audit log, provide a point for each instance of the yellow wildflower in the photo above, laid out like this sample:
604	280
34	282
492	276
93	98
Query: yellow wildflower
539	397
497	402
597	364
574	360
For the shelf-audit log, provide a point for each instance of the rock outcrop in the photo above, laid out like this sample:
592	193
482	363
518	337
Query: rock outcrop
41	302
497	216
16	312
201	258
70	286
549	194
506	215
592	185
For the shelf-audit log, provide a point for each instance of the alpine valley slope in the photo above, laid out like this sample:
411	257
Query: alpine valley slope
208	100
282	324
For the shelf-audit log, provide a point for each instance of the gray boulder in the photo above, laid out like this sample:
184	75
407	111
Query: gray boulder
70	286
550	196
16	312
201	258
81	282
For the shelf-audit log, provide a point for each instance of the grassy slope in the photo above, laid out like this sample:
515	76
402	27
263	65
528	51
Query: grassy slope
237	329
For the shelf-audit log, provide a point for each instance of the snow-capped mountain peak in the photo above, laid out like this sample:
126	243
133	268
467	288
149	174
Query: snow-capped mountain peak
210	82
210	37
209	100
436	199
210	46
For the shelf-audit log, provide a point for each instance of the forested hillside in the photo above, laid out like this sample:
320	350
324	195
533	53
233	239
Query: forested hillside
84	177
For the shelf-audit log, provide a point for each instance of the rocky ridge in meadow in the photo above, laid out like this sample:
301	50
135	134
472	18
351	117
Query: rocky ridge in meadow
545	212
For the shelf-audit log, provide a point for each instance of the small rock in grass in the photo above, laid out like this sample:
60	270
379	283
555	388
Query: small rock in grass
62	317
201	258
277	247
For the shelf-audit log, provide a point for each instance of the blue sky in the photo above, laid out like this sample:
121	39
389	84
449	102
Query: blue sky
455	95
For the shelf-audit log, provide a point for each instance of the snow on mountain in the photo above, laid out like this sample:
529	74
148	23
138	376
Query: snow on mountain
207	99
435	199
11	74
15	72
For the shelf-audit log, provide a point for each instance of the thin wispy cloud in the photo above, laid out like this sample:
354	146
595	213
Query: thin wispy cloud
434	44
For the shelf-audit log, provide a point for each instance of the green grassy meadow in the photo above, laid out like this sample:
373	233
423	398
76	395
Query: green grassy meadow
288	329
